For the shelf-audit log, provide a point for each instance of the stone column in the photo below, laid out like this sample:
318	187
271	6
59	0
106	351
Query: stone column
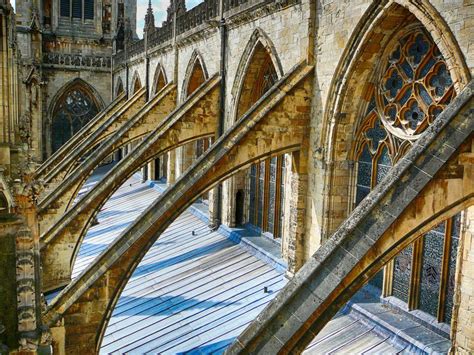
462	327
151	170
144	173
171	167
298	182
188	154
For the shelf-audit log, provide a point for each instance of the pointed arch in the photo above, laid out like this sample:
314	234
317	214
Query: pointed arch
259	44
159	79
136	83
195	75
119	87
352	68
356	77
396	75
75	104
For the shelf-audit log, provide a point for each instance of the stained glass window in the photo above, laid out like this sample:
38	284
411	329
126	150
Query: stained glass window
272	195
402	273
261	194
252	193
266	195
452	258
75	109
412	90
364	174
432	257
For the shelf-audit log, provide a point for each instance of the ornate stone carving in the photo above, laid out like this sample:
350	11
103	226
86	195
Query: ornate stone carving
77	60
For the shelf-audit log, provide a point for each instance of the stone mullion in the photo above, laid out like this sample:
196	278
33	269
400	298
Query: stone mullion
171	167
416	264
388	278
296	238
443	286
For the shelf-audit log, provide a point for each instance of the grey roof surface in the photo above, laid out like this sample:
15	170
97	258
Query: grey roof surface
196	293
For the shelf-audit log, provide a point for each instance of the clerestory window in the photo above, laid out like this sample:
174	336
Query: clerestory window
77	9
413	88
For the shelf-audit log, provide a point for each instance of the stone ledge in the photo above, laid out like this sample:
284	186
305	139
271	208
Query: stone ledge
405	330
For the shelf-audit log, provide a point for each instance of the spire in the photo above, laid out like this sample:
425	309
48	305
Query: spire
149	19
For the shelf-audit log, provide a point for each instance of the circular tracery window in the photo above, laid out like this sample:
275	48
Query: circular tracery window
414	87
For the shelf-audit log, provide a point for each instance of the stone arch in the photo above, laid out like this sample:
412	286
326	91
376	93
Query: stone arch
159	79
258	40
84	101
259	68
355	77
195	75
136	83
119	87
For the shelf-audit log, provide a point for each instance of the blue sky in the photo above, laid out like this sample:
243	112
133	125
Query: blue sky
159	9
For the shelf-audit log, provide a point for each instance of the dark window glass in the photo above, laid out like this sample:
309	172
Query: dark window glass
433	242
282	197
72	113
65	8
89	9
364	174
76	8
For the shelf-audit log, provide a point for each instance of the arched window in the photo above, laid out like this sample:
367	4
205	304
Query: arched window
260	76
197	77
159	80
265	179
137	85
73	110
413	87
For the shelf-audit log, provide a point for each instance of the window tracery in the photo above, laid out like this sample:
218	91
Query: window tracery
413	87
74	110
266	188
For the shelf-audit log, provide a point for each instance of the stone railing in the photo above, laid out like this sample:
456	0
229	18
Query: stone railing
136	48
160	35
230	4
207	10
119	57
197	16
77	60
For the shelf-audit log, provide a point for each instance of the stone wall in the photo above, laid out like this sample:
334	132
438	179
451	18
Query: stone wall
463	325
288	32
